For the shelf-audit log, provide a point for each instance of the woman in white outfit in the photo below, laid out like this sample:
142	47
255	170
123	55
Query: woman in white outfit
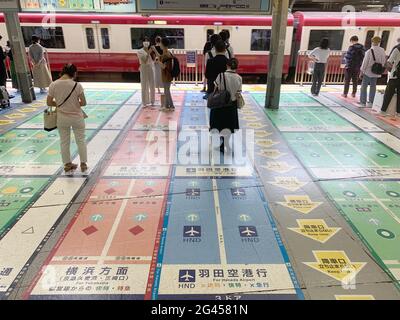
40	70
147	73
69	98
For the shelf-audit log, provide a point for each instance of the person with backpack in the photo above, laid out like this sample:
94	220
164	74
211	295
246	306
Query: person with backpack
157	69
354	58
68	97
319	56
215	66
211	53
225	36
147	82
167	63
372	69
226	119
393	85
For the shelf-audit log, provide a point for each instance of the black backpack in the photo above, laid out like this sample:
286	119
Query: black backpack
377	67
358	57
176	68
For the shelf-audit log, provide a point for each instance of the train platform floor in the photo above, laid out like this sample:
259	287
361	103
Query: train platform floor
308	209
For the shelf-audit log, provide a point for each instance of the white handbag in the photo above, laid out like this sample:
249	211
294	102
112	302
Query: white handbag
50	119
240	100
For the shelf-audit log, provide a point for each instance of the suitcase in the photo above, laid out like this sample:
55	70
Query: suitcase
4	98
378	101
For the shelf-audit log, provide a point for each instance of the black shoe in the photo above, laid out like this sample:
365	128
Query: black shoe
205	96
11	96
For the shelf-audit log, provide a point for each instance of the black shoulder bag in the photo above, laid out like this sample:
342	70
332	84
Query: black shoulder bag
377	68
219	98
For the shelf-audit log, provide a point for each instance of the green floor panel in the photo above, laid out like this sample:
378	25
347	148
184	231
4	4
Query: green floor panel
308	119
15	195
33	147
98	115
336	151
289	99
373	210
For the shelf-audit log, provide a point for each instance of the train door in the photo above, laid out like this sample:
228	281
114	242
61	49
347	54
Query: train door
384	33
97	44
210	30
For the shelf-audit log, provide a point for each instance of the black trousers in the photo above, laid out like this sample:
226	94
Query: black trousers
392	87
318	78
211	86
351	75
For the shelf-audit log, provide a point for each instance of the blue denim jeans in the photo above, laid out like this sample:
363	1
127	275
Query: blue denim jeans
367	81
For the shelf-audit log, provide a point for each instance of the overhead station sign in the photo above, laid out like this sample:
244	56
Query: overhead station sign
118	6
205	6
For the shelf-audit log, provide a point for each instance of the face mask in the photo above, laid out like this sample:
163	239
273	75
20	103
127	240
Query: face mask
146	44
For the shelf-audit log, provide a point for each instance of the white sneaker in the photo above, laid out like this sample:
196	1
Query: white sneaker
369	105
361	105
163	109
383	114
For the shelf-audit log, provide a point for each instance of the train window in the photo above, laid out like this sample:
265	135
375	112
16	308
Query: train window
335	38
90	38
260	40
385	39
52	38
175	36
368	42
105	38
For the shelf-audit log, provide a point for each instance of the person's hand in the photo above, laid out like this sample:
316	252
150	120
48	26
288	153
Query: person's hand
361	76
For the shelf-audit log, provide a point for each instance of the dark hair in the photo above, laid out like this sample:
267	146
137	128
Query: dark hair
35	39
220	46
70	70
324	44
146	38
165	42
158	39
207	47
214	39
225	35
354	38
233	63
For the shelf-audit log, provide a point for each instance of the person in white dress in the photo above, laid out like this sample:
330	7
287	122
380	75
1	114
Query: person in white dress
147	73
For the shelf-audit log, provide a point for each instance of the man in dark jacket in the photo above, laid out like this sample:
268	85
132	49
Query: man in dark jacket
354	58
3	70
215	66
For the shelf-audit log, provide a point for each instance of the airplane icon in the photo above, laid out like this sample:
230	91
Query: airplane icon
192	192
237	192
192	231
248	232
187	275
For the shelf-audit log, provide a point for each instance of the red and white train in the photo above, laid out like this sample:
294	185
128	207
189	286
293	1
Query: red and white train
107	44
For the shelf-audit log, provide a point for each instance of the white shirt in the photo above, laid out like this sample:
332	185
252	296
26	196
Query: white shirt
60	89
368	62
394	59
233	83
144	57
321	55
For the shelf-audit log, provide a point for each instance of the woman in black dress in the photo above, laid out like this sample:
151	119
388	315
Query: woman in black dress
226	119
